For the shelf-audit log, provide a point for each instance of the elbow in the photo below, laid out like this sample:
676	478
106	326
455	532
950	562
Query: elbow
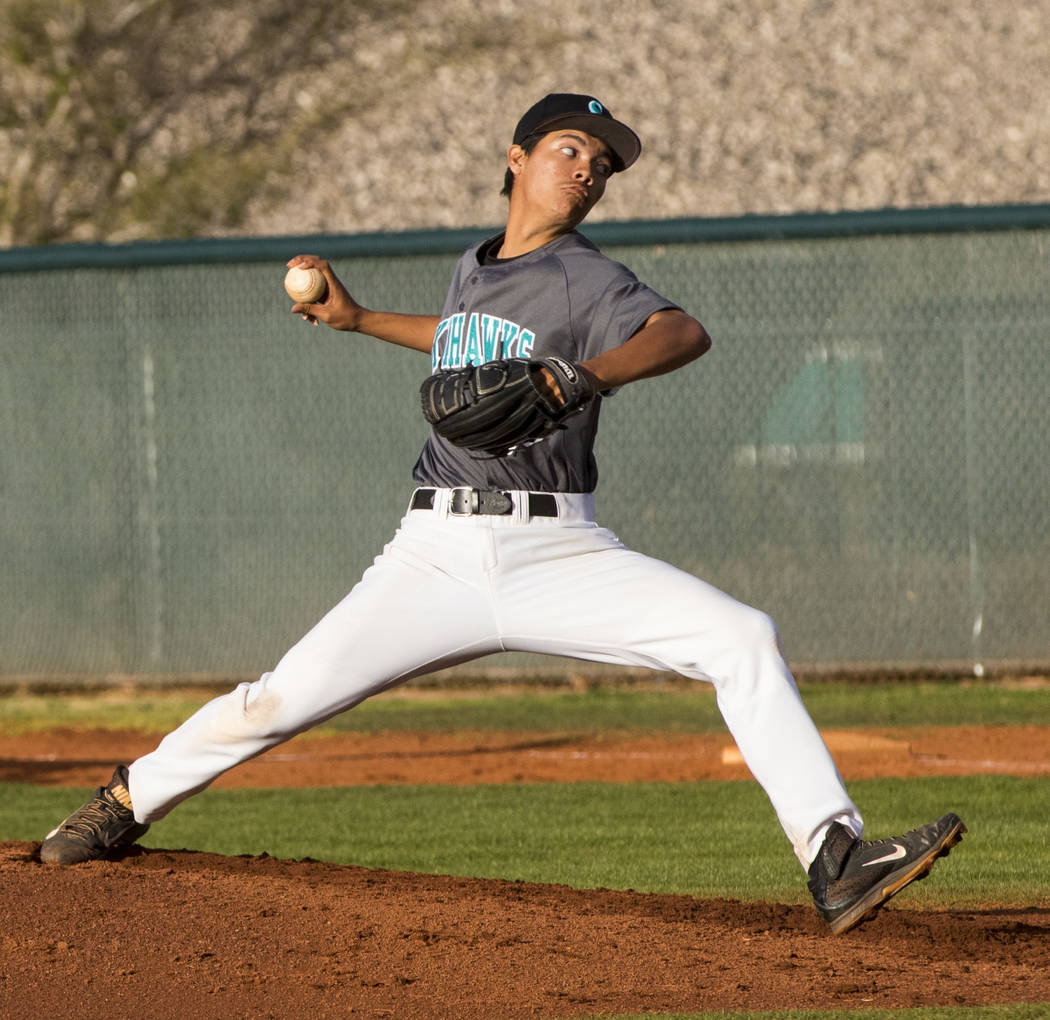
697	340
703	340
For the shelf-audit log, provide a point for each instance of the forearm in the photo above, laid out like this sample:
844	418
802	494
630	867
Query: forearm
669	340
339	310
414	331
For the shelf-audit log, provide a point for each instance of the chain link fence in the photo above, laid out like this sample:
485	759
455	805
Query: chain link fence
190	476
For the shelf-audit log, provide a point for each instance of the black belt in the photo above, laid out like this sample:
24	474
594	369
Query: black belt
465	502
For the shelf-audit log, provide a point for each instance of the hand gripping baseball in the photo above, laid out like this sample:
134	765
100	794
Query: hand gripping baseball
504	404
328	302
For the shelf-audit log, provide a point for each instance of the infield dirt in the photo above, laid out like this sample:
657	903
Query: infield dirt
184	934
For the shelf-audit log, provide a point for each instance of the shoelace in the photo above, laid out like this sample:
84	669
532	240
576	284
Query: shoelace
94	816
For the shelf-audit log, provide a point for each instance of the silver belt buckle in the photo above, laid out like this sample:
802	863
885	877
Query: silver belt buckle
470	497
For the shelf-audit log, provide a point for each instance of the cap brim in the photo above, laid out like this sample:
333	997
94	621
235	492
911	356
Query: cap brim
623	144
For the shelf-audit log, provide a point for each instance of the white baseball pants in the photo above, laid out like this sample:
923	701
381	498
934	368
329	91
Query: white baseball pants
448	589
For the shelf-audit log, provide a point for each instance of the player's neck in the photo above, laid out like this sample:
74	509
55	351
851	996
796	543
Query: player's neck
525	233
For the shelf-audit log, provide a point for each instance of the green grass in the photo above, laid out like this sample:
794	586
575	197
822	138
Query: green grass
150	711
705	839
701	839
832	704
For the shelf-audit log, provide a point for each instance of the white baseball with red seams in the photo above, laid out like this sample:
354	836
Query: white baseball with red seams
305	285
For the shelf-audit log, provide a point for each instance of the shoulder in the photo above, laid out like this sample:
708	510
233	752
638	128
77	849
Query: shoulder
472	253
582	257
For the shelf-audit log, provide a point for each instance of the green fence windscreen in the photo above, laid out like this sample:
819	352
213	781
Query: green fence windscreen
190	476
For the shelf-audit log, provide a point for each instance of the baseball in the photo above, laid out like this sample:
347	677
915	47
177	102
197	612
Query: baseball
306	286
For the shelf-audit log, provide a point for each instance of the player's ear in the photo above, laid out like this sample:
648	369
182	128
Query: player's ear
516	157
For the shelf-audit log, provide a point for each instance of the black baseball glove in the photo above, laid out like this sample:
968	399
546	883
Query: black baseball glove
500	405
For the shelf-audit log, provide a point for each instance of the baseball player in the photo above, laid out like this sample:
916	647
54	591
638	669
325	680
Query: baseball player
499	549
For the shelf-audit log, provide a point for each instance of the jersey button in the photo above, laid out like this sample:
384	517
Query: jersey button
462	306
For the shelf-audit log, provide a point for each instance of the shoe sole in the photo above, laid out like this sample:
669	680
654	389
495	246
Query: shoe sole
868	907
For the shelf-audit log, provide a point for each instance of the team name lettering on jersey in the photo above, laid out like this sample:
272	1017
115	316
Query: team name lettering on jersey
473	339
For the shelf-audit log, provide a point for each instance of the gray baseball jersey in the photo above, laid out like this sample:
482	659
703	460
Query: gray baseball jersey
564	299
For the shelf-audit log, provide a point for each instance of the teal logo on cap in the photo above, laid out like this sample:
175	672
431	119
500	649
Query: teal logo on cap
595	107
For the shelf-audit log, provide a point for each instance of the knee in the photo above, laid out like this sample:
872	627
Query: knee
754	631
750	651
250	711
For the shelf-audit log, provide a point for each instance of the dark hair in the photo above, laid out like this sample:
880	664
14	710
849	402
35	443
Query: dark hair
527	144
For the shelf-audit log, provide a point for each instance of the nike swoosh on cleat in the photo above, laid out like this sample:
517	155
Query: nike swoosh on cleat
897	854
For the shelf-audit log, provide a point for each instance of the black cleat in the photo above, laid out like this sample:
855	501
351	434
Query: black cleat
851	878
104	824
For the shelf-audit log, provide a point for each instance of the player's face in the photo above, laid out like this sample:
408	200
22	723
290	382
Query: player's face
565	174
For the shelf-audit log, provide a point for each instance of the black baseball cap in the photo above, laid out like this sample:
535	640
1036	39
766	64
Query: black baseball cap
566	110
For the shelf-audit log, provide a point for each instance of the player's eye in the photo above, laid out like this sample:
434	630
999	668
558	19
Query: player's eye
569	151
605	169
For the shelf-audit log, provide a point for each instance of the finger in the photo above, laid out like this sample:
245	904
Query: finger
329	274
549	388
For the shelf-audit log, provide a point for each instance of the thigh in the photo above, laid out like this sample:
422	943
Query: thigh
420	607
603	601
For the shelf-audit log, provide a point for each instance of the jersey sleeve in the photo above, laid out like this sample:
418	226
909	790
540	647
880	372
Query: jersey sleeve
616	312
624	308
